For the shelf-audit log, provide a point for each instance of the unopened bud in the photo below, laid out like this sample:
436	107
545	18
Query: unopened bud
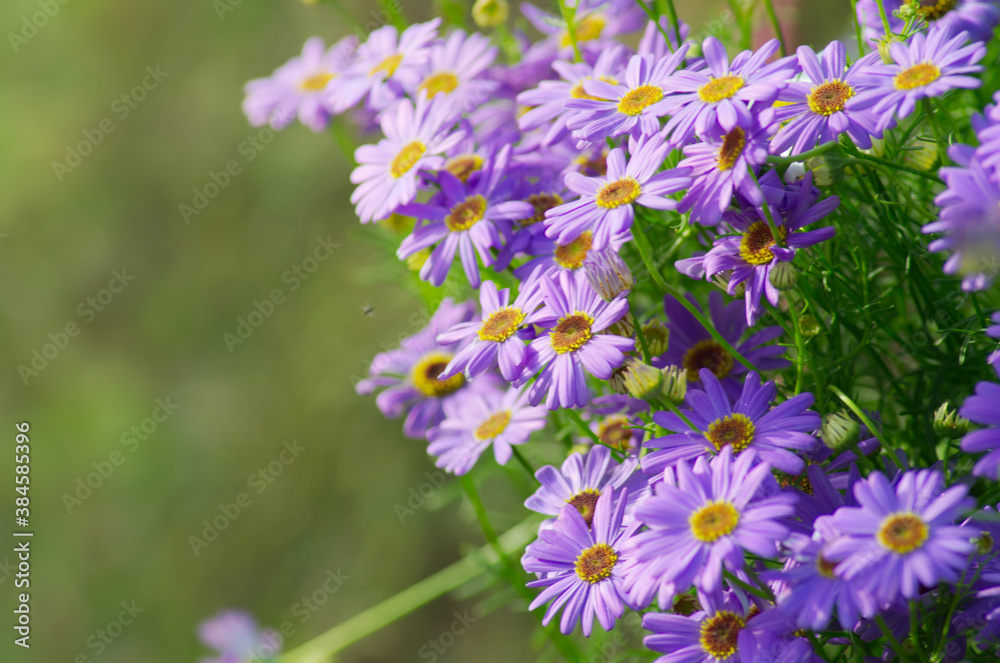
399	224
783	276
674	384
578	449
624	327
490	13
883	47
640	379
617	380
607	273
840	430
722	281
947	423
657	337
809	326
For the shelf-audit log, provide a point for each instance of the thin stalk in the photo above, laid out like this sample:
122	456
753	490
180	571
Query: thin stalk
885	18
893	642
569	15
775	25
862	416
524	463
795	158
381	615
582	425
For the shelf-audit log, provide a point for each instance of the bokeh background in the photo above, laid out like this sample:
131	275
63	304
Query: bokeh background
64	232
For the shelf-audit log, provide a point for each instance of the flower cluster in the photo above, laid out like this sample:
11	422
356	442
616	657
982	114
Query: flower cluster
721	477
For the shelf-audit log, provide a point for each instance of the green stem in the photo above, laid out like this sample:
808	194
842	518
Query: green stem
795	158
379	616
939	137
885	18
569	15
775	25
582	425
642	243
857	28
893	642
394	10
524	463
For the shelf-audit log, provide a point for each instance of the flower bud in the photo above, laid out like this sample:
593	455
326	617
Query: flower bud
617	380
490	13
809	326
948	424
840	430
624	327
657	337
722	281
884	44
783	276
640	379
578	449
674	384
607	273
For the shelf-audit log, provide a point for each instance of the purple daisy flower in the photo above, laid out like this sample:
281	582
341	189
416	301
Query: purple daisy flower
753	252
984	409
898	539
719	167
415	136
471	425
817	108
453	70
719	632
693	348
236	636
581	565
575	343
386	64
548	100
493	339
814	589
301	87
613	420
549	257
714	101
410	373
609	109
605	203
970	220
770	434
926	66
702	519
977	17
466	219
585	477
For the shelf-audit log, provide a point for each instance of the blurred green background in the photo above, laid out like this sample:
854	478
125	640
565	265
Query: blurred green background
161	337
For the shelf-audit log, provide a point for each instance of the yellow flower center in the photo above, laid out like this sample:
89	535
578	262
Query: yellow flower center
903	532
635	101
732	148
596	563
932	10
542	202
830	97
614	432
825	567
593	165
466	214
501	325
493	426
755	247
572	332
464	165
441	82
387	65
577	91
714	521
717	89
587	28
707	354
317	82
720	634
572	255
916	76
425	372
407	157
735	430
618	193
585	502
